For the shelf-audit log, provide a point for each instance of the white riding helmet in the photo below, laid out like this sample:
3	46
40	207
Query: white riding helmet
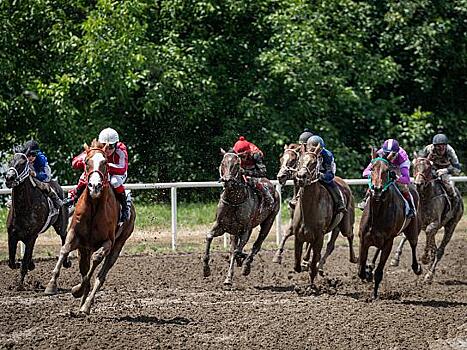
108	135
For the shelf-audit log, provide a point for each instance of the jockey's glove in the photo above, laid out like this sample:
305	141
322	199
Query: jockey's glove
392	175
441	172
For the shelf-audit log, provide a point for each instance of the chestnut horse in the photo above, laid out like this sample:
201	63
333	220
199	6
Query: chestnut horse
31	213
436	211
383	219
289	162
314	213
241	208
94	229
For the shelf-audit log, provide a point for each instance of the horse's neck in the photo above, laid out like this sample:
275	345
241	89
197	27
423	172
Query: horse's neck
22	196
428	191
379	207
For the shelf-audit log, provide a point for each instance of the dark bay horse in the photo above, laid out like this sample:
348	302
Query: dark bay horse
383	219
436	211
94	229
31	213
289	163
314	214
240	210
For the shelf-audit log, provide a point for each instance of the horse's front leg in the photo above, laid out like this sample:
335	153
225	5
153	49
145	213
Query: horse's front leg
317	246
278	256
96	259
27	263
12	246
385	252
329	249
71	244
363	256
430	245
448	232
215	232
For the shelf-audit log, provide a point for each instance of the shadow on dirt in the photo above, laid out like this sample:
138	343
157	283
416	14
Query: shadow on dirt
434	303
453	283
182	321
276	289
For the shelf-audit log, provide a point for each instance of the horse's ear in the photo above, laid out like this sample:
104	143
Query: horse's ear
86	147
223	151
317	149
415	155
285	147
373	152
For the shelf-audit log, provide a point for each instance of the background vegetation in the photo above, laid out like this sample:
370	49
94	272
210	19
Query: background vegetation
180	79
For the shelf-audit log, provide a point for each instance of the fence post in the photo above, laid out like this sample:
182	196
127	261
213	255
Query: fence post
278	216
173	199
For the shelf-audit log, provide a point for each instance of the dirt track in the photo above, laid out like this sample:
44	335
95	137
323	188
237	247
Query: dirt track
162	301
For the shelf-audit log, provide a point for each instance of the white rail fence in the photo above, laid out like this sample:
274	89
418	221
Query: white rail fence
210	184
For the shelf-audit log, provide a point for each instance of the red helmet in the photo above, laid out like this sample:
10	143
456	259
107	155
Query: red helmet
241	145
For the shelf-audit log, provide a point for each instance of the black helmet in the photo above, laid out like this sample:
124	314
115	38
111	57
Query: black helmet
440	139
304	136
31	147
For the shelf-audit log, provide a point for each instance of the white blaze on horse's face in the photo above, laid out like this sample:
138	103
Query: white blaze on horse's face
95	180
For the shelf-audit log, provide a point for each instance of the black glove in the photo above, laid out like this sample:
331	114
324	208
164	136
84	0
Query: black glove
392	175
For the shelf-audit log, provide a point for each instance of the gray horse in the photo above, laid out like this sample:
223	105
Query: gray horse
436	211
241	208
29	213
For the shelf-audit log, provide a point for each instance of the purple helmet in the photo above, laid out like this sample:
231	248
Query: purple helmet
390	145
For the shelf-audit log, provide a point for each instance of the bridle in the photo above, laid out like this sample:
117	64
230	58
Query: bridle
105	179
234	178
20	177
288	169
313	174
388	182
426	175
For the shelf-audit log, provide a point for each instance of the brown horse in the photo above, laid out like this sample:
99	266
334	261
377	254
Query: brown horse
314	214
383	219
94	229
31	213
289	163
436	211
240	210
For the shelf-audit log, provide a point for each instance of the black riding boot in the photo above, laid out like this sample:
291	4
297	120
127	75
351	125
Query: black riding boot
49	192
337	198
73	200
268	198
408	198
121	197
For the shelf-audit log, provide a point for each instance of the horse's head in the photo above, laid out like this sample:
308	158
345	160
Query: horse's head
289	162
229	170
422	171
309	165
379	178
18	170
96	168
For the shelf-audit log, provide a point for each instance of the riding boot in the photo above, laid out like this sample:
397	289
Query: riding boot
337	198
408	197
362	204
450	190
124	215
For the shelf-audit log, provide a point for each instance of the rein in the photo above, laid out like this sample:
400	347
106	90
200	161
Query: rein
313	174
20	177
389	181
287	168
105	179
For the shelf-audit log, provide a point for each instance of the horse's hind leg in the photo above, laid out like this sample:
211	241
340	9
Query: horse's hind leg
84	265
329	248
71	244
263	233
448	232
26	263
60	227
397	255
412	237
278	256
306	258
430	245
102	275
233	249
216	231
385	252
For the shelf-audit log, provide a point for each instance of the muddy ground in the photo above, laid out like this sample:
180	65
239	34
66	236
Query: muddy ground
161	301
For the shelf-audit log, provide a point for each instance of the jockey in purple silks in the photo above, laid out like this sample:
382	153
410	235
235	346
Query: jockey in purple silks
400	171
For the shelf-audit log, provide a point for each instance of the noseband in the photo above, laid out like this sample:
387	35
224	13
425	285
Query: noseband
388	182
20	177
233	178
285	167
314	174
105	179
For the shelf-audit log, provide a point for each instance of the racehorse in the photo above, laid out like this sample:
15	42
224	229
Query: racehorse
383	219
436	211
31	213
241	208
94	229
314	213
289	162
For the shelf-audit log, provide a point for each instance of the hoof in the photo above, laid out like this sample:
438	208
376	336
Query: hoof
31	266
394	262
305	265
77	291
354	260
85	310
227	283
67	264
321	272
206	271
417	270
428	277
246	270
298	268
51	289
277	259
14	266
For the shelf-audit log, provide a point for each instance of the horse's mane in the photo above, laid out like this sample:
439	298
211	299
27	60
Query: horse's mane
94	144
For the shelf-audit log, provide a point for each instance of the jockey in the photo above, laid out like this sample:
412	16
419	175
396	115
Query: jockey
400	162
445	161
40	171
251	158
117	161
327	171
304	136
